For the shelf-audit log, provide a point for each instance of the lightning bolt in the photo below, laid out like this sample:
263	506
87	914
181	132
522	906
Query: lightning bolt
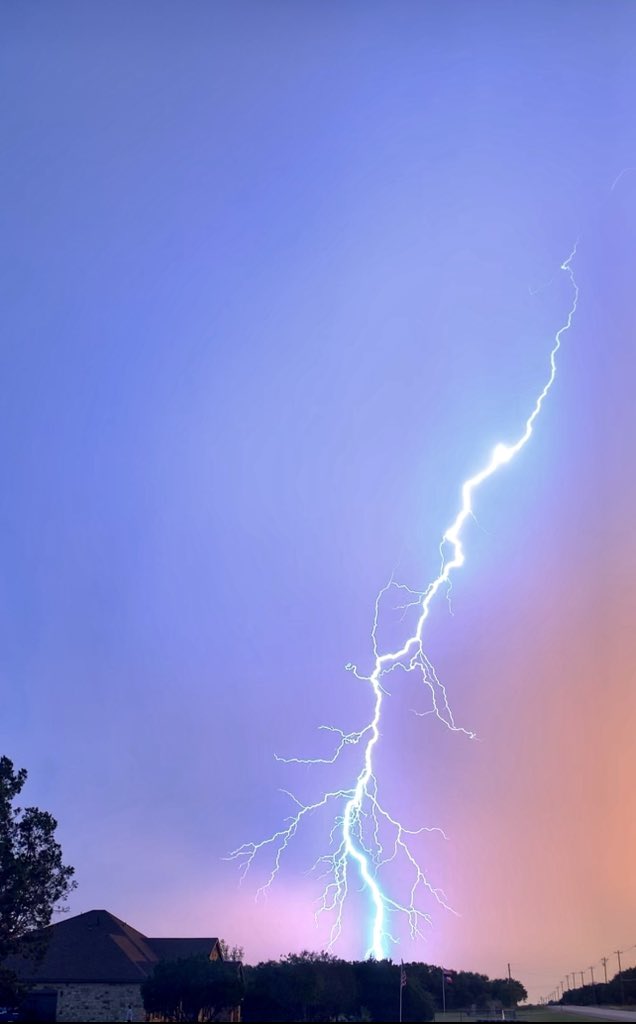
364	835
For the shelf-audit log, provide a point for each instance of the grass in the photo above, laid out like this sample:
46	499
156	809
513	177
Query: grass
548	1015
527	1015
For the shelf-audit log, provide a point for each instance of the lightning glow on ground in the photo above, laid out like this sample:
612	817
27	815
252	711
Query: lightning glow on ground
364	836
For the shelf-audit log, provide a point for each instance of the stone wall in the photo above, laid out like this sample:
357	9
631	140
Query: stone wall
99	1002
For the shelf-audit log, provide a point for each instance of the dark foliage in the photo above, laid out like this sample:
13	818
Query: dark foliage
508	992
192	988
620	990
320	987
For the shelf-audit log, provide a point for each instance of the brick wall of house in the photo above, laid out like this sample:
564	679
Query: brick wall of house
99	1002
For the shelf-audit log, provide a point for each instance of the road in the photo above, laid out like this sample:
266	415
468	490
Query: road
597	1012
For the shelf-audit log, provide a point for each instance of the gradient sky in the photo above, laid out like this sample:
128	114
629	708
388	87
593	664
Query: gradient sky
275	277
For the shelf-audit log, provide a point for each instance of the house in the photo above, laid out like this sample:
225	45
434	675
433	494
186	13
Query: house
93	967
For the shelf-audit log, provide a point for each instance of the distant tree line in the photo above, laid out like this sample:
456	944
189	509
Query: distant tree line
620	990
321	987
317	987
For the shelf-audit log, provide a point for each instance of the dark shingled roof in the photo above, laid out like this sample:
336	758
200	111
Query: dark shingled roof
176	949
98	947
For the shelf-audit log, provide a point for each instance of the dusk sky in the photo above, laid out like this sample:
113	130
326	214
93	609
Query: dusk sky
275	278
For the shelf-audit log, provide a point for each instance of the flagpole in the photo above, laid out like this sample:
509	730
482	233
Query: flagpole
401	987
444	992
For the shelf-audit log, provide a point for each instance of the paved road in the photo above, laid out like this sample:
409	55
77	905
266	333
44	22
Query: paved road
594	1012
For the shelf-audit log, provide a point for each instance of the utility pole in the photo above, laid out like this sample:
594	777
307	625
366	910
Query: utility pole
620	974
604	962
582	979
594	986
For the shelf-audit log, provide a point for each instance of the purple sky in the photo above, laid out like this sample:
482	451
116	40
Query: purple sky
275	277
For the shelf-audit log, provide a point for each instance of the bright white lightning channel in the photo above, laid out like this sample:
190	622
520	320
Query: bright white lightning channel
364	836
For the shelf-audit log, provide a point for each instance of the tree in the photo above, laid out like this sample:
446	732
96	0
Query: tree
192	988
379	988
33	880
269	993
324	986
301	987
231	952
508	992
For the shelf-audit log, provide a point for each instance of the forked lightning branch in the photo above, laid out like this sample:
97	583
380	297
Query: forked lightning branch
365	837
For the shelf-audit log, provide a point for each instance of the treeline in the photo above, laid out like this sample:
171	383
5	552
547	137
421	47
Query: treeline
620	990
320	987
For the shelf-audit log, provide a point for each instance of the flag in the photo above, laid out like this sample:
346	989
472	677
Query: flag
402	976
447	976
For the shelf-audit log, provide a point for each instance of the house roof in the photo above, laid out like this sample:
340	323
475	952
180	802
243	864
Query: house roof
99	947
176	949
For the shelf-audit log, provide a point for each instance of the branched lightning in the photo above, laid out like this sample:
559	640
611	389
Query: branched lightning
364	836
